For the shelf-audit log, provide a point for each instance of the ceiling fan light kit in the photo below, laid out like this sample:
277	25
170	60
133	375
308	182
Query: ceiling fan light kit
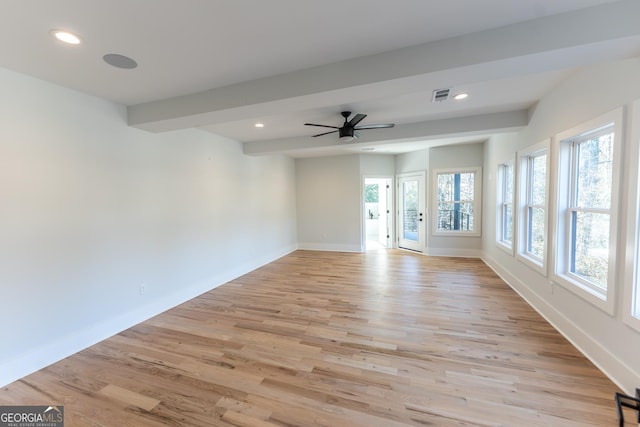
349	130
346	134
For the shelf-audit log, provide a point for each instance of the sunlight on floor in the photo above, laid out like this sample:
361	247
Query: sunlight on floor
373	245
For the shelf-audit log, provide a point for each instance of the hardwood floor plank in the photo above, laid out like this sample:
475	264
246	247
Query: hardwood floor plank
129	397
386	338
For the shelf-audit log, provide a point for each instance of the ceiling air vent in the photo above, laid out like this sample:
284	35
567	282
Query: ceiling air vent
440	95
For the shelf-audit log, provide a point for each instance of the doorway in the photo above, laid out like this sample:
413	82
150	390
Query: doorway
377	212
411	213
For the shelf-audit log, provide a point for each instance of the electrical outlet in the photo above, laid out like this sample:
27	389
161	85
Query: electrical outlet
142	288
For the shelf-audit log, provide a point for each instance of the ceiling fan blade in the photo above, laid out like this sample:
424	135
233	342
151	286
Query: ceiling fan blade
322	126
356	119
326	133
387	125
356	134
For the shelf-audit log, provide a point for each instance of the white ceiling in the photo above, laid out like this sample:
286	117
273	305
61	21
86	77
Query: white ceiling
223	65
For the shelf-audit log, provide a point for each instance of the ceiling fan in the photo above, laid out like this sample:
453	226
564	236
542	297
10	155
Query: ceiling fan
349	129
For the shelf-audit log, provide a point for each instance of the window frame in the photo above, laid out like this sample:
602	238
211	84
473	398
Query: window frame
564	144
525	180
503	204
477	202
632	248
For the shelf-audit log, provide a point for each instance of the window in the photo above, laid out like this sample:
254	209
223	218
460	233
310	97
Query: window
536	205
586	212
371	193
533	197
589	207
457	202
635	303
505	193
631	313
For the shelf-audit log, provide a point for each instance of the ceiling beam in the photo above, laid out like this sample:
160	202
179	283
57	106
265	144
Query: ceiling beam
519	48
509	121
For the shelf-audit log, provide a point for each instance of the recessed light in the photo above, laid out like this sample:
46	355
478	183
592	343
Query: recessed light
259	125
65	36
460	96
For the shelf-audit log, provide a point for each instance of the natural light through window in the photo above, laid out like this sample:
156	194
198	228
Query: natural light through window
536	206
631	230
456	195
410	209
532	205
589	210
636	303
505	194
586	208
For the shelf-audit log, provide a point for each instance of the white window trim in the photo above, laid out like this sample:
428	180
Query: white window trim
500	243
605	300
477	202
632	248
540	148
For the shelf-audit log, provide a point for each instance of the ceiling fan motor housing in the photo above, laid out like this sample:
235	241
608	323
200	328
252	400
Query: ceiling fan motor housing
346	132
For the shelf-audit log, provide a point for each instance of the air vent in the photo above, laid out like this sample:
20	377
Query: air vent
440	95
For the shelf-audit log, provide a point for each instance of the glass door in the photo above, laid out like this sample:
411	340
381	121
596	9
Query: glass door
411	220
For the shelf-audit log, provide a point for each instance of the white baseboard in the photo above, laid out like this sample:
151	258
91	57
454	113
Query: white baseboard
617	371
64	346
329	247
454	252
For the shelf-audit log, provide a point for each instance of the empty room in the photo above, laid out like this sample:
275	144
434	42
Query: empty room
336	213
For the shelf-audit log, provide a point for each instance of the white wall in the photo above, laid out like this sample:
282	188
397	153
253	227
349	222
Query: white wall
380	165
329	203
456	156
90	209
605	339
416	161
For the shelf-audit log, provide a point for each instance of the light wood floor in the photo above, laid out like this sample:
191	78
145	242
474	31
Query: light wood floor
386	338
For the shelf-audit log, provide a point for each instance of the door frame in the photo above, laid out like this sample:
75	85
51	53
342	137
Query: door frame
391	207
421	244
